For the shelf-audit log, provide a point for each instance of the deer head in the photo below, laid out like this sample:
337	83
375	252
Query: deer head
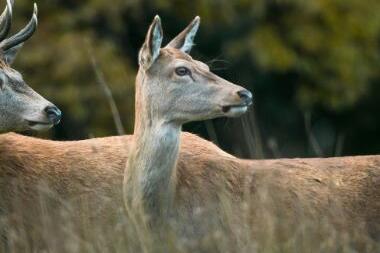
173	87
21	108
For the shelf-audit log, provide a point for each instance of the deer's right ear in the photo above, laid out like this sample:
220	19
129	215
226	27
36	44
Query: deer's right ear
185	40
152	45
10	54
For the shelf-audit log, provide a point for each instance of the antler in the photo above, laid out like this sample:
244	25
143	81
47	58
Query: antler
22	35
6	20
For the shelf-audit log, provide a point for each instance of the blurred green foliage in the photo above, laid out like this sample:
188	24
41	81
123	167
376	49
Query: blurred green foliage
298	57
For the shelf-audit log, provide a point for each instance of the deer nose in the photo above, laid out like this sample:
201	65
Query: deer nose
246	96
54	114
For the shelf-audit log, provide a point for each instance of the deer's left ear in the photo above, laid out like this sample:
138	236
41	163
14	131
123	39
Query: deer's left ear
152	45
10	55
184	40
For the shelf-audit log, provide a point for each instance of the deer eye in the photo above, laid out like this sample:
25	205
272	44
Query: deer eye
182	71
2	81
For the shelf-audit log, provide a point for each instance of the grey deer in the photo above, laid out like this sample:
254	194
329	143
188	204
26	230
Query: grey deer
21	108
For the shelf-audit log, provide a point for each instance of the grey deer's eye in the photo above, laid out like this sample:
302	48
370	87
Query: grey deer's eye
182	71
2	81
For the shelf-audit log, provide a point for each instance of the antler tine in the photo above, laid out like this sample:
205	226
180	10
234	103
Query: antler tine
6	20
22	35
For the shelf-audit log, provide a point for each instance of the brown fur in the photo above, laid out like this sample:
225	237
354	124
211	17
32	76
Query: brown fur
95	167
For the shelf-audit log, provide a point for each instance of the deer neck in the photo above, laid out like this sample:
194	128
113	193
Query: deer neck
152	161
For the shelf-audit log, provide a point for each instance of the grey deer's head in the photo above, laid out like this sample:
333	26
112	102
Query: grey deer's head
21	108
171	86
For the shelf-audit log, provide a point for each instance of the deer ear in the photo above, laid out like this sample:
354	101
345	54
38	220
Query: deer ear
10	55
184	40
152	45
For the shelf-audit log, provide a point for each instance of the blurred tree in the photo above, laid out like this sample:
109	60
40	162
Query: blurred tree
317	58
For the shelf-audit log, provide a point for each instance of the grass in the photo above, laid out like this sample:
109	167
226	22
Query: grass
95	222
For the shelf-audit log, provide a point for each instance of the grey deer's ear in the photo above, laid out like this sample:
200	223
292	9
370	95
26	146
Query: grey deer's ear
10	55
184	40
152	45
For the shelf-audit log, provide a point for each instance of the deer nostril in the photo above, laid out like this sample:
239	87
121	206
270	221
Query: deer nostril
246	96
54	114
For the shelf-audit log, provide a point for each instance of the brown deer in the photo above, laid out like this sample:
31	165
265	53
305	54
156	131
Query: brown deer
21	108
172	89
93	169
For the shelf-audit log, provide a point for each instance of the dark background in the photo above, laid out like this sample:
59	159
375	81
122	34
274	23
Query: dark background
313	67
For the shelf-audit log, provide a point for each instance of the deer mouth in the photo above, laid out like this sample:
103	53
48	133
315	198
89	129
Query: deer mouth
38	125
235	110
228	108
